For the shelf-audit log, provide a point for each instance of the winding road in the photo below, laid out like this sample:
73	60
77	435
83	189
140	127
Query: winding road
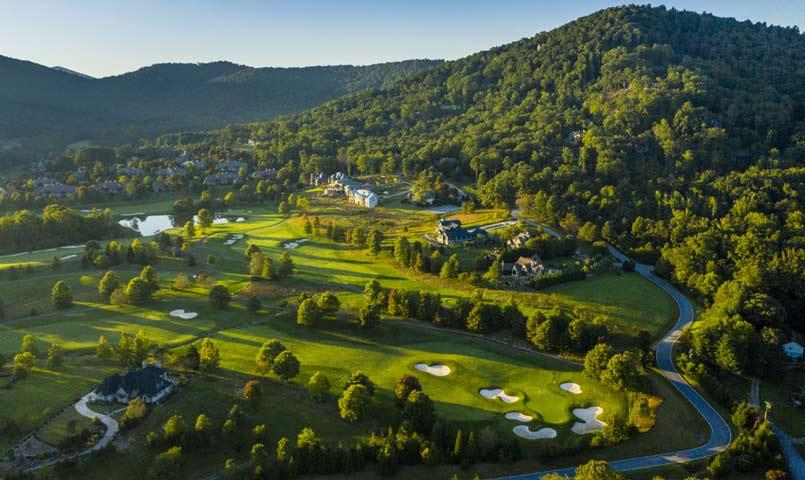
720	433
111	424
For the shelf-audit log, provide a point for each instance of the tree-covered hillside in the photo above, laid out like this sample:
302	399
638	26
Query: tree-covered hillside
58	107
678	136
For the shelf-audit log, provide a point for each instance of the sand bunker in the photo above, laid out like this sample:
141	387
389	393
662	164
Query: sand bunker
68	257
525	432
291	245
519	417
492	393
135	214
238	236
73	246
437	370
573	388
591	422
182	314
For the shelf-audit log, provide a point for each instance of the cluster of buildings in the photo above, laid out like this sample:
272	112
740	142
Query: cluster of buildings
523	270
339	184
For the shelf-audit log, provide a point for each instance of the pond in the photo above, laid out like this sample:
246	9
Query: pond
153	224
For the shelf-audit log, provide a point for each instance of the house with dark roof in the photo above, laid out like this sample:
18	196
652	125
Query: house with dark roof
519	240
450	232
110	187
56	190
523	270
150	383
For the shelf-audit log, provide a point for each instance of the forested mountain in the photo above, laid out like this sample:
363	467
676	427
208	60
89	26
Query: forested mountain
676	135
56	106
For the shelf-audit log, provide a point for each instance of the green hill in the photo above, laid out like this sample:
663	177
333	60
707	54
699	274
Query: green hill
55	106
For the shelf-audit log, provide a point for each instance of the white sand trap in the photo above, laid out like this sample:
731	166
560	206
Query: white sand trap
492	393
229	242
591	422
519	417
301	240
182	314
73	246
436	370
68	257
237	236
573	388
135	214
525	432
291	245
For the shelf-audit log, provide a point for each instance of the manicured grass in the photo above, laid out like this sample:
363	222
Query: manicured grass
31	401
67	423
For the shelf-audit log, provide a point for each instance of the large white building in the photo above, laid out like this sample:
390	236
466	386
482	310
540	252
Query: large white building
364	198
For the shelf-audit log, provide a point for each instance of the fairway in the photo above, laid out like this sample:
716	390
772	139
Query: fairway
391	351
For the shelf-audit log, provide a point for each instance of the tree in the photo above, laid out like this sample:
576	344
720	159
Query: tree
205	218
308	313
203	428
328	303
209	356
118	296
108	284
402	251
189	229
150	277
596	470
259	454
55	264
253	304
286	365
492	275
252	392
220	297
372	293
61	296
419	410
285	266
353	402
29	345
267	354
360	378
405	385
451	267
368	316
622	372
55	356
167	465
137	291
24	361
175	429
375	241
318	386
597	359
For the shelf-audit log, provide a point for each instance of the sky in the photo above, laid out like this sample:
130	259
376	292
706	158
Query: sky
110	37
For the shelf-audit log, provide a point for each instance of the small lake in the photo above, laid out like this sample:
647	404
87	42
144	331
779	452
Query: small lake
149	225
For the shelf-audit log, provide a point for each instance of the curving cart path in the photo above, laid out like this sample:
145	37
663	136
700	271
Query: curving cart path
111	424
720	433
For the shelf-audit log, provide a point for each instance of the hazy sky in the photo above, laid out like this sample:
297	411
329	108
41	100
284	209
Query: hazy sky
107	37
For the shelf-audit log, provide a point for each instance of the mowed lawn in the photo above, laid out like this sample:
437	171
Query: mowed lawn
391	351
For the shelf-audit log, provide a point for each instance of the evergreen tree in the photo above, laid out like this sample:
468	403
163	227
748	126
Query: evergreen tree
61	296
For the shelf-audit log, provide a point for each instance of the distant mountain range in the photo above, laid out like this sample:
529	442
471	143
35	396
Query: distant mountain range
52	107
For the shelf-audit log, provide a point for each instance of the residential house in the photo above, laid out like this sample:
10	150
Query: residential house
130	171
226	178
523	270
184	157
519	240
55	190
364	198
265	174
450	232
110	188
231	166
196	164
150	383
793	350
159	185
166	172
42	181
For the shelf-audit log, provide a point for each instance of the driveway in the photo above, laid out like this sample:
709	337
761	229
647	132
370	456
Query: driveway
111	424
720	433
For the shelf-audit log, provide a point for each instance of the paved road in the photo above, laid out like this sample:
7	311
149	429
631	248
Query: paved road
795	463
720	434
111	424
